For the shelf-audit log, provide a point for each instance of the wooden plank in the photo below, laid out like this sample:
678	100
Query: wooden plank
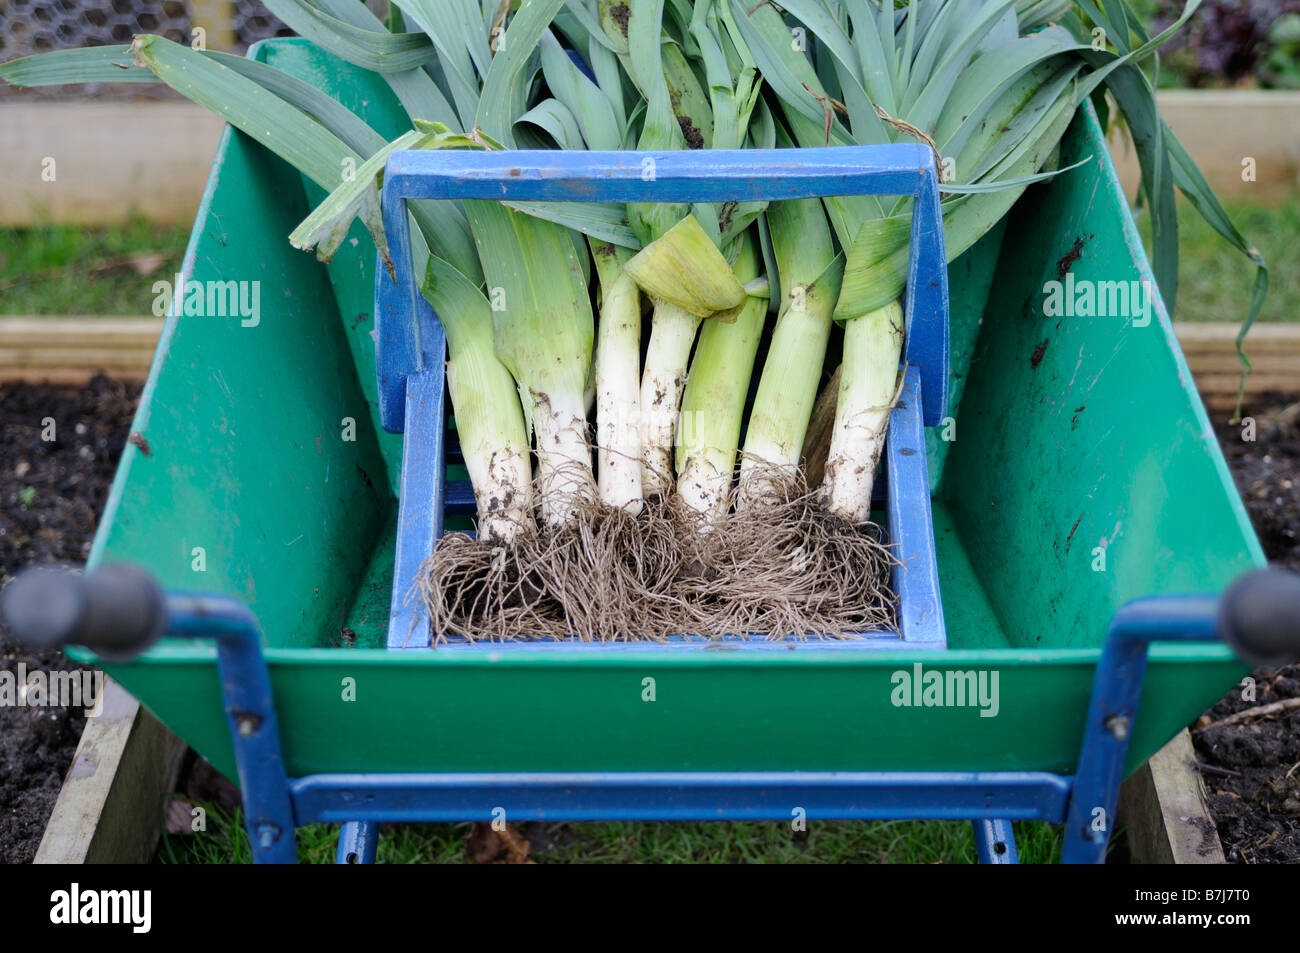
71	377
1211	352
79	331
1164	810
1224	362
111	805
69	350
99	163
1222	129
217	18
1223	334
102	358
1217	388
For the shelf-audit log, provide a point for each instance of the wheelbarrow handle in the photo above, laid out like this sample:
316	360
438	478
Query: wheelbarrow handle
1259	616
117	610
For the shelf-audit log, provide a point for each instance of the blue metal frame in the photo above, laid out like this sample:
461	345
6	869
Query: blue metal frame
358	842
411	344
1085	802
250	715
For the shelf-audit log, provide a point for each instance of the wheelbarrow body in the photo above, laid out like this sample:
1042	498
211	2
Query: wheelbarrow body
1078	471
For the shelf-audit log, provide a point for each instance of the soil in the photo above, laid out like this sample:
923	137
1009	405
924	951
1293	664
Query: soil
1267	471
1252	768
51	494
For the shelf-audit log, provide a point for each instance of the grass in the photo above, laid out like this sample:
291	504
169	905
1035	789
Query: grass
717	842
1216	281
63	269
66	269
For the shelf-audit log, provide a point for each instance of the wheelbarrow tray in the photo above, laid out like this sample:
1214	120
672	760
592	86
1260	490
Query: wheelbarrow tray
1083	473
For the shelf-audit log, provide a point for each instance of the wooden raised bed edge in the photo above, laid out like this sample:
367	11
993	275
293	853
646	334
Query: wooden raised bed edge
115	159
70	350
1162	807
111	805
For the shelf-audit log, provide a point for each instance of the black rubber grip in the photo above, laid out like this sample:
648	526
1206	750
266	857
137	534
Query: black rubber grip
116	610
1259	617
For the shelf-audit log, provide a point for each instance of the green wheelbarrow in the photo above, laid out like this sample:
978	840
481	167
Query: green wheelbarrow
1078	471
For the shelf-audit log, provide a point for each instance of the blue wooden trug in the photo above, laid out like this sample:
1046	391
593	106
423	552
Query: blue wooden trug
411	345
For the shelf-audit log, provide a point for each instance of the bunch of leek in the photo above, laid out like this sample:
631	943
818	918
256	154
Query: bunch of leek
993	103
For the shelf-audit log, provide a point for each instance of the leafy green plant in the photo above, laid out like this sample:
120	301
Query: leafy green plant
1229	42
1281	67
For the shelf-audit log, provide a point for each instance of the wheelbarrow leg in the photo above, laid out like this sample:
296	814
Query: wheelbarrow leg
250	711
1116	689
995	842
357	843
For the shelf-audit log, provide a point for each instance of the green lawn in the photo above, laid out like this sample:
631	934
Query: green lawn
69	270
893	842
66	269
1216	281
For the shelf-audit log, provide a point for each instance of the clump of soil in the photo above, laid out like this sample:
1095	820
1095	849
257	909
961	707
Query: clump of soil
486	844
51	494
1252	773
1251	767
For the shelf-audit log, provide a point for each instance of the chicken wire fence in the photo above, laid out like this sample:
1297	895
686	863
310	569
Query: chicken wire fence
36	26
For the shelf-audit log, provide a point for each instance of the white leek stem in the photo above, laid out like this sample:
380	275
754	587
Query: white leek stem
713	408
499	466
810	275
618	399
489	415
564	478
787	391
868	389
713	405
667	357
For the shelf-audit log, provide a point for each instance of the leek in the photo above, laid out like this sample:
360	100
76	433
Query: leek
713	405
618	370
810	272
957	76
489	421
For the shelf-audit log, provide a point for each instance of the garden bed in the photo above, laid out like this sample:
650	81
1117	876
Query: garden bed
1250	766
51	495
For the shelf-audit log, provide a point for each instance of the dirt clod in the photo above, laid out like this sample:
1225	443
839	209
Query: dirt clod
620	13
691	132
1037	357
500	844
1067	260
